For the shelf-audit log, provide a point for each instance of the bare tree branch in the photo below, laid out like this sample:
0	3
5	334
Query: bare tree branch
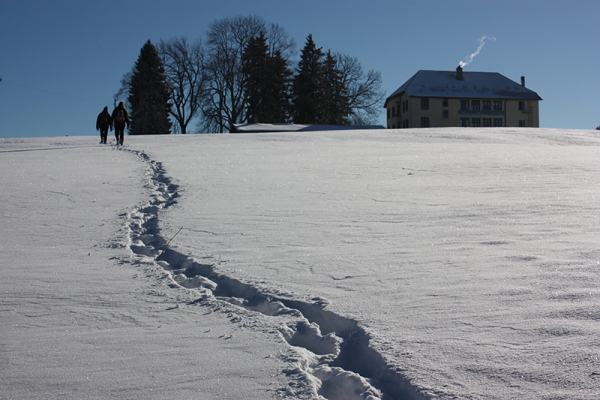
364	90
186	77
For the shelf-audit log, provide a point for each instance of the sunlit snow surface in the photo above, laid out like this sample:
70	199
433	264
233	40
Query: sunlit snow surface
431	263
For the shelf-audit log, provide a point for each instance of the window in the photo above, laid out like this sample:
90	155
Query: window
445	114
445	103
497	105
388	113
476	122
464	105
522	123
464	122
498	122
425	104
487	105
476	105
487	122
521	106
424	122
405	106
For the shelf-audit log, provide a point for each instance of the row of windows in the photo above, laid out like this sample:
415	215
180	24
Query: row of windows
467	122
465	105
464	122
481	105
480	122
475	105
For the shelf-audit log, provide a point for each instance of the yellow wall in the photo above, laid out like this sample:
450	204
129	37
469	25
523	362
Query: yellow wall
510	118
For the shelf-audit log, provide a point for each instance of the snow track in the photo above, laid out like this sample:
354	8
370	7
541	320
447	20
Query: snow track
334	353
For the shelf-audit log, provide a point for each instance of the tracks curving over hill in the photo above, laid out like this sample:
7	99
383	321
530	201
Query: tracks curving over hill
333	352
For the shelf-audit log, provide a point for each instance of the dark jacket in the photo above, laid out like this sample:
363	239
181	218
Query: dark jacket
104	120
114	119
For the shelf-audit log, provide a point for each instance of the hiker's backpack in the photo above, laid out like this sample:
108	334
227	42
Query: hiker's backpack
103	118
120	117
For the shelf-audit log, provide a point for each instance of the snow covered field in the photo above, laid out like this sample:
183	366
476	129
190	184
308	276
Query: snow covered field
392	264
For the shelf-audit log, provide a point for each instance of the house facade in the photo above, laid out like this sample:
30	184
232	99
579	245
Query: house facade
462	99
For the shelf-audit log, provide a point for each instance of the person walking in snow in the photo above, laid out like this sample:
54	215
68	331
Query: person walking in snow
103	124
119	119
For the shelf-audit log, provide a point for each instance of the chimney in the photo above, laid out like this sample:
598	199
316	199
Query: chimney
459	74
523	81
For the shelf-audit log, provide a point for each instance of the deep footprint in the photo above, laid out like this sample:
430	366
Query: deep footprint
339	351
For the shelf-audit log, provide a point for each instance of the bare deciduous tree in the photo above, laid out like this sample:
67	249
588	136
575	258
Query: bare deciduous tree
123	92
363	90
186	77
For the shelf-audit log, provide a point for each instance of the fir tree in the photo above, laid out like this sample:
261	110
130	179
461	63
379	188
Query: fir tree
148	95
320	95
278	96
307	86
256	70
266	83
335	107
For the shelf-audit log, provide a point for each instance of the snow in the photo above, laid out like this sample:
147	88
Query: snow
269	128
375	264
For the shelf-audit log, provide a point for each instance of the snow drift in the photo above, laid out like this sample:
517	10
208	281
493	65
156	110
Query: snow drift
391	264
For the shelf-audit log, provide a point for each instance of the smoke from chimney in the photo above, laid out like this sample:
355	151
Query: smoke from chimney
470	58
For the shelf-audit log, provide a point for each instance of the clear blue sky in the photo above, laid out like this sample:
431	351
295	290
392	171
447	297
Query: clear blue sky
61	61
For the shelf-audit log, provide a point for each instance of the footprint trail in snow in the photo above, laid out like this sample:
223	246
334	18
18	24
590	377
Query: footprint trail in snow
333	352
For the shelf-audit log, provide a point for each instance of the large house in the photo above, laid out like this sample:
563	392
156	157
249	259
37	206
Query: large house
451	99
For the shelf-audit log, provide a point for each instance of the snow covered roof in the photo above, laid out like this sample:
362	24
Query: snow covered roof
481	85
260	128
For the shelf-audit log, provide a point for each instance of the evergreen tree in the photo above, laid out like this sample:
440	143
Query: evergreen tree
320	95
256	70
336	107
278	97
307	86
266	83
149	95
